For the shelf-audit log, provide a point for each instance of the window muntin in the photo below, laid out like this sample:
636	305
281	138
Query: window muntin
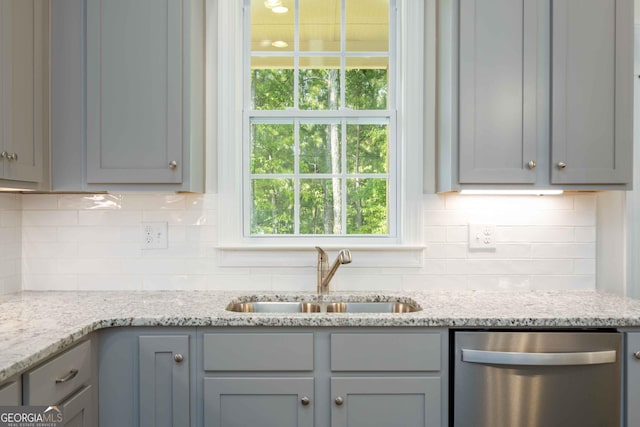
320	140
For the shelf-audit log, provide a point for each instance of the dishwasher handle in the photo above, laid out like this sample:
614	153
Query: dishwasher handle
538	359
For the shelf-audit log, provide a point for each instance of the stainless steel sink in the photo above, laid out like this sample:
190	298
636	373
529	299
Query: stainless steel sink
274	307
371	307
324	307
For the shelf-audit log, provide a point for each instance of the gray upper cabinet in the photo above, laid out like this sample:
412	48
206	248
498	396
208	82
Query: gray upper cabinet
142	96
592	81
535	94
24	38
134	91
498	83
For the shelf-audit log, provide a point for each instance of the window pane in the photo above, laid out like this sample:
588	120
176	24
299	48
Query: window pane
367	206
319	83
320	206
367	148
271	83
272	148
272	206
367	25
268	27
366	83
320	148
320	25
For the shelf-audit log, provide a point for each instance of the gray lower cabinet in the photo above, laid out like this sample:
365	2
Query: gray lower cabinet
68	381
344	377
142	97
78	410
146	377
632	381
24	65
164	381
264	402
11	392
385	401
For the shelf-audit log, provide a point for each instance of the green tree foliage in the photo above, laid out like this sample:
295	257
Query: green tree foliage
321	200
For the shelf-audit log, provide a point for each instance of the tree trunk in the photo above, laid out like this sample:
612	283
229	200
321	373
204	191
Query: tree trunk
334	138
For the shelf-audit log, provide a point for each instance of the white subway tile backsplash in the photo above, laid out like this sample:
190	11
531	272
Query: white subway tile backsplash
109	217
93	242
90	202
49	218
585	234
39	202
159	201
563	250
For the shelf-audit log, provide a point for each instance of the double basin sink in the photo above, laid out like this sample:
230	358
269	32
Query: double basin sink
324	307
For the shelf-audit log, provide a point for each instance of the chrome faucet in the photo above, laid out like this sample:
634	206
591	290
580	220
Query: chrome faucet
325	274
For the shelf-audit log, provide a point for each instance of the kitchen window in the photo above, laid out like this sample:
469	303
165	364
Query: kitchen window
316	122
319	118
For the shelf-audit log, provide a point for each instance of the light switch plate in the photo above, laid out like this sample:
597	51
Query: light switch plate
482	236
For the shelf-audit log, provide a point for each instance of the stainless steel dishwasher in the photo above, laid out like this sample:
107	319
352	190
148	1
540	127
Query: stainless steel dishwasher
536	379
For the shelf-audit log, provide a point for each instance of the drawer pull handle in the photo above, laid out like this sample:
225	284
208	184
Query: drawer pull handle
71	375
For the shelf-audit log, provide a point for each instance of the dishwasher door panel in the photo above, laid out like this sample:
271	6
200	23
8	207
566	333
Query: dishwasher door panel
537	379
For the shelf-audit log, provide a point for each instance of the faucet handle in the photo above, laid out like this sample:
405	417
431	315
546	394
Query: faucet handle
345	256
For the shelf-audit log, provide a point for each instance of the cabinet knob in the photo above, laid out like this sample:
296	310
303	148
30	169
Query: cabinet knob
562	165
13	156
637	354
173	164
305	401
4	155
531	164
339	401
178	357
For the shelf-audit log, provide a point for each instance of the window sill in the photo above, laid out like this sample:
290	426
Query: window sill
297	256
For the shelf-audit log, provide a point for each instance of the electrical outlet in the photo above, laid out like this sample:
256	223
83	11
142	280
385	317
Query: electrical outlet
154	235
482	236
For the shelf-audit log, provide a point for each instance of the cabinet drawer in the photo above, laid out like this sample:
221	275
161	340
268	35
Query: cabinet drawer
11	393
258	352
59	377
385	352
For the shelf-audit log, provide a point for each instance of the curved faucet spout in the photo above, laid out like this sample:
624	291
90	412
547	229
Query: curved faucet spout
325	274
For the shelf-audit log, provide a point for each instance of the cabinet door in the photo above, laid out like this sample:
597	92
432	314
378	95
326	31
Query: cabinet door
632	416
134	91
164	381
592	72
78	410
384	402
23	49
264	402
498	83
11	393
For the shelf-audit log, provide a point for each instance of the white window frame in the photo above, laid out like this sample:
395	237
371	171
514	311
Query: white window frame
224	102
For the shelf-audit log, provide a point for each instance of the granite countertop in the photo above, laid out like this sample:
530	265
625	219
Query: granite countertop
36	325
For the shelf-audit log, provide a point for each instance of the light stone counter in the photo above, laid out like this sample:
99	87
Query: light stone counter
36	325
